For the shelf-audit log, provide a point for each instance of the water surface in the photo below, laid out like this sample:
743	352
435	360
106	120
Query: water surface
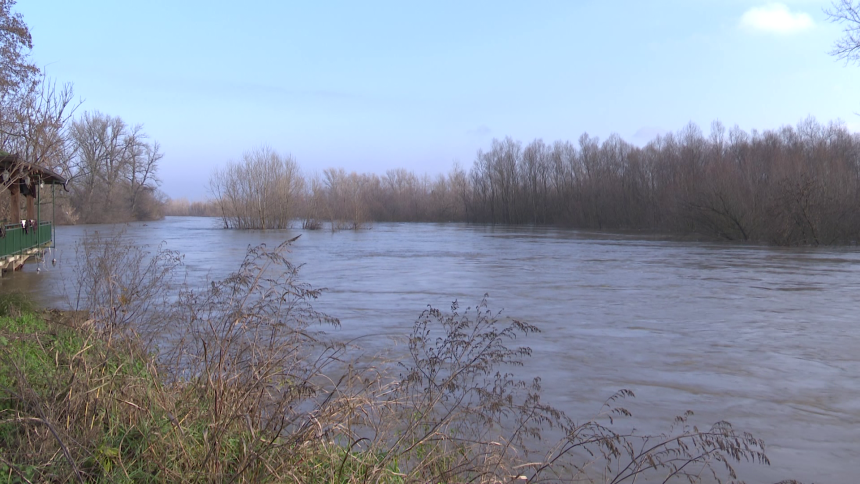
765	338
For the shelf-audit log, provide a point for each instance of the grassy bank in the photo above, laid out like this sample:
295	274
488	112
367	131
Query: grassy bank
79	405
248	388
74	406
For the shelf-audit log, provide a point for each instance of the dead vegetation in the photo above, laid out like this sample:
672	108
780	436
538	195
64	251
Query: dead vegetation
247	386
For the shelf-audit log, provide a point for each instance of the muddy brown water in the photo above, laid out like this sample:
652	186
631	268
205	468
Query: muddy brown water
765	338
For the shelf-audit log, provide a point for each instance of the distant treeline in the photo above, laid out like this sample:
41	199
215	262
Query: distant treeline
791	186
184	207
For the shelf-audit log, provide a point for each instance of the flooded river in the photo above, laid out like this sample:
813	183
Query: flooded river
765	338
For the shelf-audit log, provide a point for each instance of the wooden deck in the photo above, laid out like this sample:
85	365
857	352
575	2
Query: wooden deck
17	244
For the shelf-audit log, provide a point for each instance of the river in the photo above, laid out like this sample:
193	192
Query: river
765	338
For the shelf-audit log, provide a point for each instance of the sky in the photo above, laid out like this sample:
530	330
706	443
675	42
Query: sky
372	86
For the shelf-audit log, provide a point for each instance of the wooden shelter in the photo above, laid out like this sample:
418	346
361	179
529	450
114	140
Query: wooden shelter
22	237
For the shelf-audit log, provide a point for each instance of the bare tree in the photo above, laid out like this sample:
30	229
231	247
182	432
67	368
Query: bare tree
790	186
114	171
16	68
260	192
33	112
846	12
100	146
346	198
34	125
141	168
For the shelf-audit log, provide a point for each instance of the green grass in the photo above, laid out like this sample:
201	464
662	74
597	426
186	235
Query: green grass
65	387
14	304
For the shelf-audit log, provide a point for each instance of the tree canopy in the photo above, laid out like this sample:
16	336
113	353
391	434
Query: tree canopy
16	68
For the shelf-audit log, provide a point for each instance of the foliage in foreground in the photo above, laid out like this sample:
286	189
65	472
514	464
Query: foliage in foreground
250	389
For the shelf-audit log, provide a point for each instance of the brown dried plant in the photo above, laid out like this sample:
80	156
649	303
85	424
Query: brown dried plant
246	387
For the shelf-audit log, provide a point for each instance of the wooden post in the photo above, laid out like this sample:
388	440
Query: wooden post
15	209
31	207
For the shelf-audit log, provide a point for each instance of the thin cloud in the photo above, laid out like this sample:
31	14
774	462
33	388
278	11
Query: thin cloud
482	130
776	18
647	133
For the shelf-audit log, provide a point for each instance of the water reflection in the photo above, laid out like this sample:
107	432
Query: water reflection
764	338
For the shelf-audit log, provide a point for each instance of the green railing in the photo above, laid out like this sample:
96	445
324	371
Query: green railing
15	240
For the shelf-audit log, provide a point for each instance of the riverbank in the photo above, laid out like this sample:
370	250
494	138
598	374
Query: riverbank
79	404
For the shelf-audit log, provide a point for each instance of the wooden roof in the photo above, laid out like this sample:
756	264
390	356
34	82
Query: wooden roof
14	165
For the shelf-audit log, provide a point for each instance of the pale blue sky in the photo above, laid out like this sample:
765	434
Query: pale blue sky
371	86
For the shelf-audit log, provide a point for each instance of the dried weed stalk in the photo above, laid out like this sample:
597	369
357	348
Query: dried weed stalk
247	387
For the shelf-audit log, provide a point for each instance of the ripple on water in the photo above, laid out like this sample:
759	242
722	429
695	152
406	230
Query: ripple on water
764	338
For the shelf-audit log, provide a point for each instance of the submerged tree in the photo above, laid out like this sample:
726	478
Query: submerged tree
259	192
796	185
